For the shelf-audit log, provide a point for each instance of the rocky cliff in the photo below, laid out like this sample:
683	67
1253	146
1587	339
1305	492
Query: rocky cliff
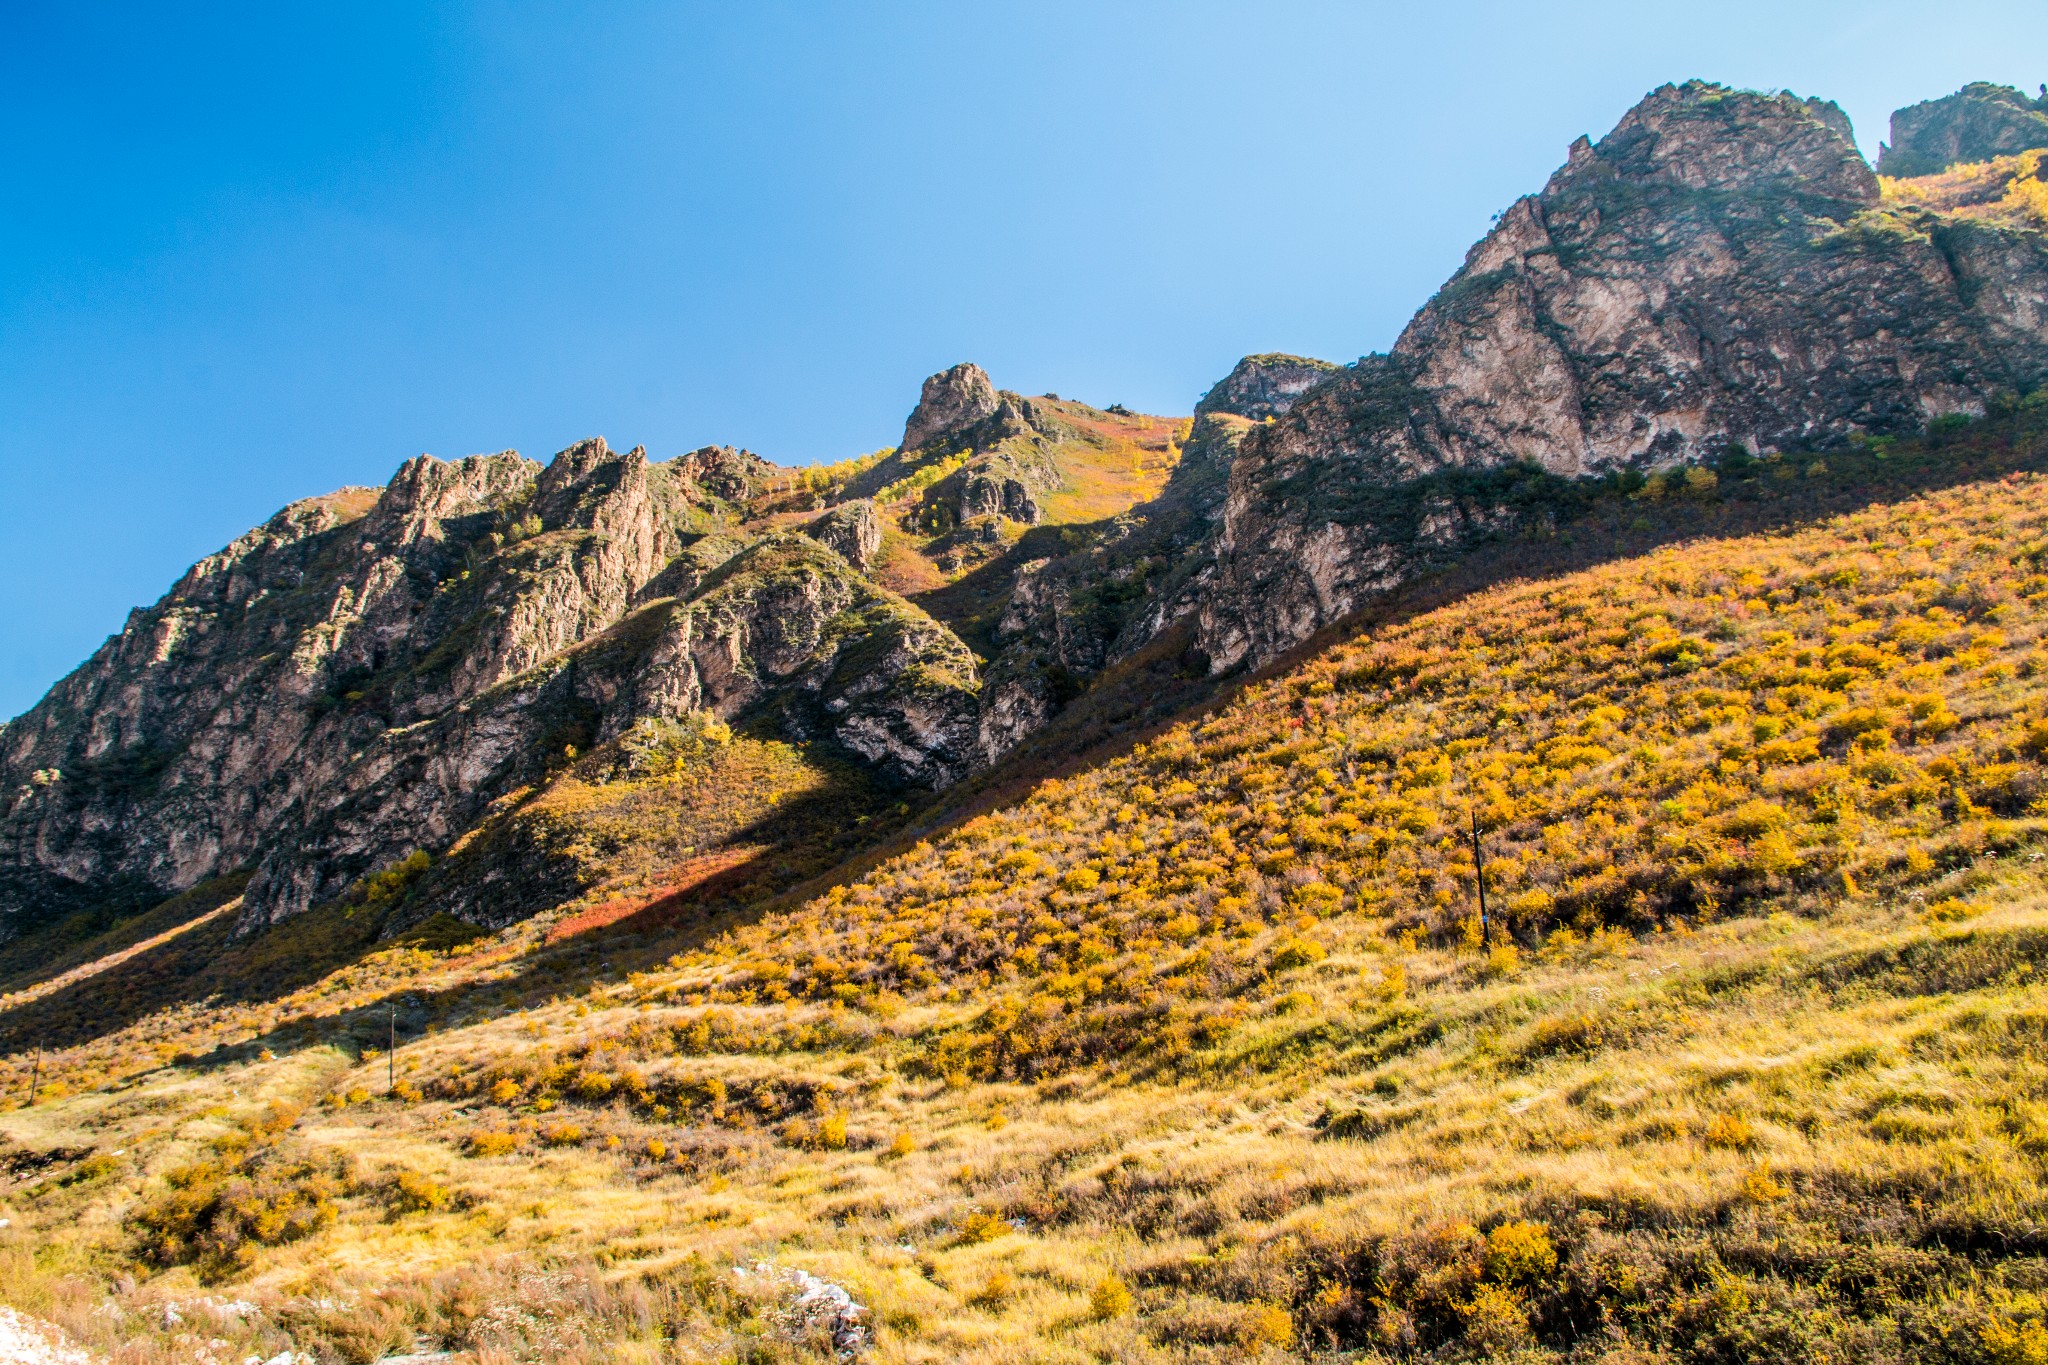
1719	272
362	675
1720	277
1977	123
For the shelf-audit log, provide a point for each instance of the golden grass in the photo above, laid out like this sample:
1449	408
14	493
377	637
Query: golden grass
1210	1196
2006	189
1742	1108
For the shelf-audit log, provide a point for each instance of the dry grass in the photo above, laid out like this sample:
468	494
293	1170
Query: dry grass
1802	1082
2007	190
1741	1108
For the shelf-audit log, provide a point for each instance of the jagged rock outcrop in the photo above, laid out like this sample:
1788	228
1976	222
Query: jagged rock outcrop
1977	123
1262	386
787	626
363	674
1070	616
724	472
854	529
953	401
1005	479
366	673
1716	271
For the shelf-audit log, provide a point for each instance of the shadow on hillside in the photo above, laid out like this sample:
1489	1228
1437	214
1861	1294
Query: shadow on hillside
87	936
645	932
971	605
1131	702
207	965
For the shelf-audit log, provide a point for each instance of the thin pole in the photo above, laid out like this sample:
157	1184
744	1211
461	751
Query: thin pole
1479	876
35	1075
391	1054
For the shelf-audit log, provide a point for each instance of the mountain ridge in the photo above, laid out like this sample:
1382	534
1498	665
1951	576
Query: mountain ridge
1523	847
1706	242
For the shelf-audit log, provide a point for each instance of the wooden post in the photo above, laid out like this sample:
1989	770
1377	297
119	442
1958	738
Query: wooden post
1479	876
391	1056
35	1075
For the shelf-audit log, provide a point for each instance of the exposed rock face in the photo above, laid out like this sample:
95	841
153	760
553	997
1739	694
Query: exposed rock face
953	401
1715	271
787	626
724	472
854	529
363	674
1977	123
1005	480
1262	386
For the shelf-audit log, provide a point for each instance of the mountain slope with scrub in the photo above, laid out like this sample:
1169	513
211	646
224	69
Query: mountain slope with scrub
1524	847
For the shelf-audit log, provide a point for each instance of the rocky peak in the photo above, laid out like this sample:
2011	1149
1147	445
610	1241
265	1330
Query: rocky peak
1262	386
1701	136
1719	270
585	485
426	494
953	401
724	471
1977	123
854	529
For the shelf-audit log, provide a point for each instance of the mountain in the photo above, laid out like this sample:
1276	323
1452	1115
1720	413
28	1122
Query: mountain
1720	273
1980	122
1519	847
363	675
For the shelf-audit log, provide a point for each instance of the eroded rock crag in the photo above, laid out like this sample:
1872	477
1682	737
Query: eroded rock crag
360	676
1717	271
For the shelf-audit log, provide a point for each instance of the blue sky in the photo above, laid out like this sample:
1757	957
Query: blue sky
248	254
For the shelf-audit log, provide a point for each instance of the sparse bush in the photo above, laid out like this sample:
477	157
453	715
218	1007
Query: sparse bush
1519	1252
1730	1131
979	1226
486	1143
1111	1298
411	1192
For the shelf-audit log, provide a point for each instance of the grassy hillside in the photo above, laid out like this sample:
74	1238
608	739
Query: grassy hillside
2007	190
1203	1052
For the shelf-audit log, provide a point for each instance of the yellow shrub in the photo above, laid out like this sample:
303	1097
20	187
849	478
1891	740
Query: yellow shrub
1730	1131
1495	1321
1298	952
1266	1324
411	1192
483	1143
1759	1186
995	1292
1518	1252
978	1227
1111	1298
2010	1342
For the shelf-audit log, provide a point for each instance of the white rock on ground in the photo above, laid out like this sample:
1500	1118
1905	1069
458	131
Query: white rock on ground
817	1306
25	1341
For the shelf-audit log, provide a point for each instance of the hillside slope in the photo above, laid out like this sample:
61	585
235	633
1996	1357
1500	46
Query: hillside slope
1204	1053
1525	847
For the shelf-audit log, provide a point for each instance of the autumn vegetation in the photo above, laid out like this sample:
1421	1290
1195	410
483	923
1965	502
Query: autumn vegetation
1200	1049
